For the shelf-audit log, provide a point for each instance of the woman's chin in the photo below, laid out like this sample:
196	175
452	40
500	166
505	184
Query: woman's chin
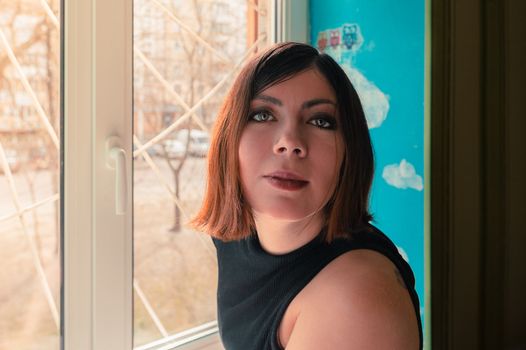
287	215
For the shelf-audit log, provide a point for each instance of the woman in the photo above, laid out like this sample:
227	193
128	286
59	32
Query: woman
289	174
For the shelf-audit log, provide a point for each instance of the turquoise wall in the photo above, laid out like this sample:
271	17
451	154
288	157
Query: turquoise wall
380	44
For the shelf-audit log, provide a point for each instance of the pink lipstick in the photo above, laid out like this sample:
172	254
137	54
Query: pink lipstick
286	181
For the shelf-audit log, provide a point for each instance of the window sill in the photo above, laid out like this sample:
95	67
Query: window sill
204	337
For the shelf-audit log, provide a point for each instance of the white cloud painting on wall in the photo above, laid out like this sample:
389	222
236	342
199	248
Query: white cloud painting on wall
403	176
343	44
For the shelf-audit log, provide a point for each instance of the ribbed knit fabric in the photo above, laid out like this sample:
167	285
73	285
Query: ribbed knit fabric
255	287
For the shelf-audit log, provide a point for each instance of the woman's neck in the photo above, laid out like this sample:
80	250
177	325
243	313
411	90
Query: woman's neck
281	236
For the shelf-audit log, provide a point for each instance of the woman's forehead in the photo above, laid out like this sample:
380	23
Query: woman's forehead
309	85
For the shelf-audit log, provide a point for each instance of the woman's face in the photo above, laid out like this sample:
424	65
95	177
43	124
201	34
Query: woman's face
291	149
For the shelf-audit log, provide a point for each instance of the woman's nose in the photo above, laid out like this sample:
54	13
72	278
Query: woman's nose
290	142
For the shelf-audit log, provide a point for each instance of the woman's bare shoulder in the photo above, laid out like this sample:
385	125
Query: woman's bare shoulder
358	301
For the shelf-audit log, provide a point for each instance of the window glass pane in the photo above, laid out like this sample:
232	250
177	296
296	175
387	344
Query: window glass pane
186	54
29	175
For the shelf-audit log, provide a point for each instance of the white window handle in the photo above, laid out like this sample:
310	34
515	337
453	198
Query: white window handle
116	159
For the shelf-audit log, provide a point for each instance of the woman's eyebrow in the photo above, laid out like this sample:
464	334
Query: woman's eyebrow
270	99
317	101
305	105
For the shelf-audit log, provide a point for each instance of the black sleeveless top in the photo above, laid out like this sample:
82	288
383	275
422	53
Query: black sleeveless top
255	287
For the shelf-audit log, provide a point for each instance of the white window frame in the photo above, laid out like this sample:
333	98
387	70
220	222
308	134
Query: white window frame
97	246
97	296
290	21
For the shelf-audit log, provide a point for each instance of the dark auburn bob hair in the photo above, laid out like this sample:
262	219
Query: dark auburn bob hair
224	213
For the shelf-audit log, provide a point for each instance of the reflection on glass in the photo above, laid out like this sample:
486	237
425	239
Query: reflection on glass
185	55
29	175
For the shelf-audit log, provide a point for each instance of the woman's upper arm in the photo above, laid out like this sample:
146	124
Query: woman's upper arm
360	303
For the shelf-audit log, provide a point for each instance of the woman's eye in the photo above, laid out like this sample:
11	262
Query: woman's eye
324	123
261	116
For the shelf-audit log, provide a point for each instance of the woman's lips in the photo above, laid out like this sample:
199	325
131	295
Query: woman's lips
286	181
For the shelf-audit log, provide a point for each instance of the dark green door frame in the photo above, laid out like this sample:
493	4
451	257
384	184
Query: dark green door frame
478	174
